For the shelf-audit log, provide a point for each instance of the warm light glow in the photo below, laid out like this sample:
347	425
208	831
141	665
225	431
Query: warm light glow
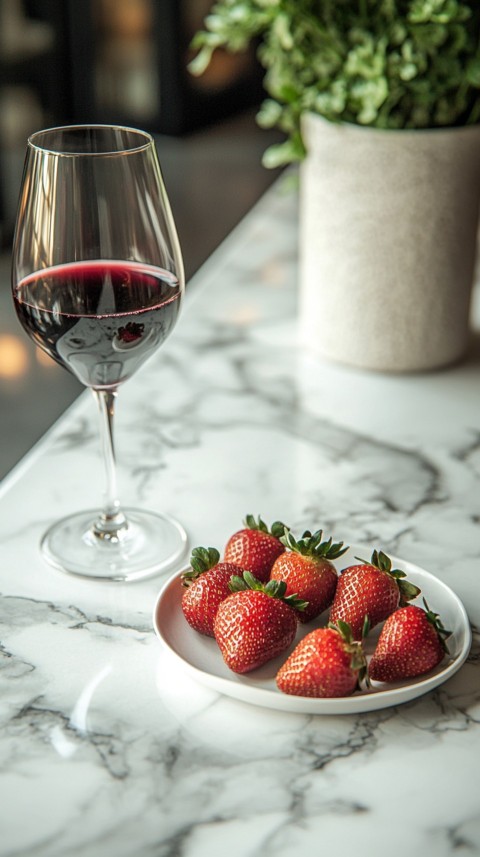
273	273
13	356
244	315
44	359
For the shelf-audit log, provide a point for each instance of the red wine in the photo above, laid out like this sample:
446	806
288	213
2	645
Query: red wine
100	320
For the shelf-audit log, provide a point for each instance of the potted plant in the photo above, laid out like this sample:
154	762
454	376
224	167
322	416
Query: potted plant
380	102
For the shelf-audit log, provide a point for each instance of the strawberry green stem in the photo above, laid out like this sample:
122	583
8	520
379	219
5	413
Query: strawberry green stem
313	545
201	560
380	560
277	529
273	588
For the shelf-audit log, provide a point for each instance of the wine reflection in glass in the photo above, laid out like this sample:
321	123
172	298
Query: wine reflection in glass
98	282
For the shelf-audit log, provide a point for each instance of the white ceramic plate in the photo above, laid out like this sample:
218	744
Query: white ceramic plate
200	657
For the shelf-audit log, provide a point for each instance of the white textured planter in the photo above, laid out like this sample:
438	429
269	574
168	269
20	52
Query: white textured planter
388	229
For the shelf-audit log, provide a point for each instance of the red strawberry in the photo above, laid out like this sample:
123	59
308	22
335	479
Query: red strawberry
307	570
326	663
372	589
207	586
255	623
256	547
411	643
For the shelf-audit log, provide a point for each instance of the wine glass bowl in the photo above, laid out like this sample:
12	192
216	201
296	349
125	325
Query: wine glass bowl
98	283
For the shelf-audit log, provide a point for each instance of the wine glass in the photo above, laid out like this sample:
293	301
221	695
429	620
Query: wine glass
98	282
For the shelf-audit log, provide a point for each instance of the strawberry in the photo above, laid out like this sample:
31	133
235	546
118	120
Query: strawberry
256	547
255	623
373	589
326	663
307	570
206	586
411	643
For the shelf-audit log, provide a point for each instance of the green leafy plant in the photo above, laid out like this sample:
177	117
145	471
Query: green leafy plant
384	63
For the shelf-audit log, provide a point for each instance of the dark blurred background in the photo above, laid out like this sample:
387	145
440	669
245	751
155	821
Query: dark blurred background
119	61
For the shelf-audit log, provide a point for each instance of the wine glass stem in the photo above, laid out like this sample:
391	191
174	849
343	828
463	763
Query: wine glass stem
111	523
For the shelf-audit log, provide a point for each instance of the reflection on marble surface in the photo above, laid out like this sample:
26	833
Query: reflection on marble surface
105	749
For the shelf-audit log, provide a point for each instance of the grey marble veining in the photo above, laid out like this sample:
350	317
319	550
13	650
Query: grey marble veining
105	747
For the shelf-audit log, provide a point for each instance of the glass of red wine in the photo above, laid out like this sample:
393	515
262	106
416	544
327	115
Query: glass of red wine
98	283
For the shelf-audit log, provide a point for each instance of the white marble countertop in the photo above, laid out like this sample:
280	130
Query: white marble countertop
105	747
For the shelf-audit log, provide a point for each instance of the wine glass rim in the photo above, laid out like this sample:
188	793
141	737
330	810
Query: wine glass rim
58	151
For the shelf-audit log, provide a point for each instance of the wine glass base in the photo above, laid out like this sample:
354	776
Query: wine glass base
151	543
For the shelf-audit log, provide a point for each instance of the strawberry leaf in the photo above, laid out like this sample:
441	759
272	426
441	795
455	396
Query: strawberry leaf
252	524
276	588
311	544
252	582
273	588
408	591
201	560
343	629
295	602
277	529
237	584
358	661
383	562
365	627
437	623
380	560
